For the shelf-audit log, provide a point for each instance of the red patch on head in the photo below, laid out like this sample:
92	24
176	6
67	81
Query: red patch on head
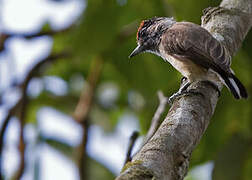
140	27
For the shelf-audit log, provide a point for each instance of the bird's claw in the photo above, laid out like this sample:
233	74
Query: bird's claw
183	80
183	93
174	96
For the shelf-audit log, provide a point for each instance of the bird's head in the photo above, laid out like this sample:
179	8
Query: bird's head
149	34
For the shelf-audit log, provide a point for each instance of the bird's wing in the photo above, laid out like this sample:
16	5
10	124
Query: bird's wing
190	41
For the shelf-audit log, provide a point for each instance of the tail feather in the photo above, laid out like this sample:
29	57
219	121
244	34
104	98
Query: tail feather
243	91
235	86
230	83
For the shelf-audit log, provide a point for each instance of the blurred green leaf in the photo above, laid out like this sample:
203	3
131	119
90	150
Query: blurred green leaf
98	171
230	160
247	173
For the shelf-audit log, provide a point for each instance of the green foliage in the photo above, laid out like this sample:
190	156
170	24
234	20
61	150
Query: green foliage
190	10
230	160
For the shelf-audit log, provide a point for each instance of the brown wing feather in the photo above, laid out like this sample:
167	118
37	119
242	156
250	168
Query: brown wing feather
196	43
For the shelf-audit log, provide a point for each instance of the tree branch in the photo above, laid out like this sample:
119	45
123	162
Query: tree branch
166	155
156	120
85	101
82	111
20	108
132	142
6	35
22	145
87	96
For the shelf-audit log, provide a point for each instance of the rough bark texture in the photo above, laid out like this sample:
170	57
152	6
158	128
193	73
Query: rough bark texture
166	155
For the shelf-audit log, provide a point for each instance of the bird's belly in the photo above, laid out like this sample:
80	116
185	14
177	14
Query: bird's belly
187	68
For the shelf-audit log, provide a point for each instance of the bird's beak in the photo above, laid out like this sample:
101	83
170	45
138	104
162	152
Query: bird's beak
139	49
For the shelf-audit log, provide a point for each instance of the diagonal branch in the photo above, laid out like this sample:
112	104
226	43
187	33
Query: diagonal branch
82	110
23	111
166	155
132	142
83	107
156	120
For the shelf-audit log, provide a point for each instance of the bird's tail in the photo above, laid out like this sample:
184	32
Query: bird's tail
235	86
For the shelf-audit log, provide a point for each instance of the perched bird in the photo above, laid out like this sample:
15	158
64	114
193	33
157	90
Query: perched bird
190	49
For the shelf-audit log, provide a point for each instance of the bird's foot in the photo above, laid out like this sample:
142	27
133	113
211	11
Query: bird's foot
183	80
179	94
173	97
183	90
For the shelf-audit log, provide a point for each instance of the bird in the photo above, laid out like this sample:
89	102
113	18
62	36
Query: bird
191	50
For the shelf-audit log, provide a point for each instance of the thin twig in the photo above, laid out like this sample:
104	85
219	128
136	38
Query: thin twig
22	145
2	135
82	159
86	99
35	70
132	142
156	120
6	35
3	38
20	108
83	107
82	111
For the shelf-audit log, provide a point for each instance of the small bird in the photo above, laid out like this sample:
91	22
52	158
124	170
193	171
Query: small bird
190	49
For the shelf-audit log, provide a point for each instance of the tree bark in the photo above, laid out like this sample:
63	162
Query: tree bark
166	155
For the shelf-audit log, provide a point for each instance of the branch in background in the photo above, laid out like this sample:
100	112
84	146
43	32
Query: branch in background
3	38
2	133
166	155
156	120
42	33
6	35
22	145
85	102
132	142
79	114
82	111
83	107
20	108
82	151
